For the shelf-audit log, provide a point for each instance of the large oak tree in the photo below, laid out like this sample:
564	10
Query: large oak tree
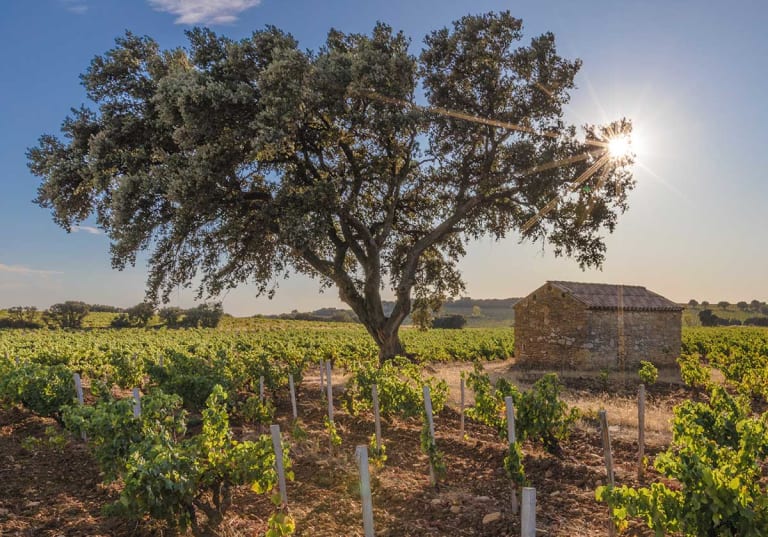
245	161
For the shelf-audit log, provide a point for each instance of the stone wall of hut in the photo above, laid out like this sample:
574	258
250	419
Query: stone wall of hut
555	331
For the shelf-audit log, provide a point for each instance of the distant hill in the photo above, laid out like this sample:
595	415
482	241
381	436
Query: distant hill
482	312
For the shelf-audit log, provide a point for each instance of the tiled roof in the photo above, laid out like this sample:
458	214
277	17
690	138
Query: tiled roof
605	296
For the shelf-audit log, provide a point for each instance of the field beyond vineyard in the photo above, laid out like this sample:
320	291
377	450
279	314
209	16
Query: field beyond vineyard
51	485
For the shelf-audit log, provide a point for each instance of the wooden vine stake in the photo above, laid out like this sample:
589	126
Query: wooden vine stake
322	368
277	444
361	454
431	423
512	438
528	513
80	398
136	403
606	437
261	389
640	432
461	414
292	388
376	417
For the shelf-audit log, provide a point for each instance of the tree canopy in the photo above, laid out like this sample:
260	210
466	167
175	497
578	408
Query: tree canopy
359	163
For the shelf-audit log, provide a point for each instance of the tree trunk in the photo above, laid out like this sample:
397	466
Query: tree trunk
390	346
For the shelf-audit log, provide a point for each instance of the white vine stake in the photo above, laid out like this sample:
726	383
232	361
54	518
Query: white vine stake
277	444
512	439
329	386
136	403
431	423
640	431
361	453
606	437
461	426
376	415
80	399
293	396
510	406
528	514
78	388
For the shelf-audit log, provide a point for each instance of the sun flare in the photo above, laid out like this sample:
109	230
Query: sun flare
620	146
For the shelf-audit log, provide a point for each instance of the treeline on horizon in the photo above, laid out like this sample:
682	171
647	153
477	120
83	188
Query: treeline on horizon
708	317
454	313
72	313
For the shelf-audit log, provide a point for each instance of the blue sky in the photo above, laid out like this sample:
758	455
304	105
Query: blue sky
691	75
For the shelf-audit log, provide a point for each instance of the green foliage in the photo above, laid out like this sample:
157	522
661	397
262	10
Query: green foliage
716	461
333	433
170	477
43	389
489	399
256	410
513	464
21	317
429	448
204	315
69	314
400	385
280	524
540	414
648	373
693	372
135	316
113	432
171	316
191	377
376	455
453	322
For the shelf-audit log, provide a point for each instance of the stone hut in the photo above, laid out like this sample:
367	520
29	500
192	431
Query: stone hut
569	325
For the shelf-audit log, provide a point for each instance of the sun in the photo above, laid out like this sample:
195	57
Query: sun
620	146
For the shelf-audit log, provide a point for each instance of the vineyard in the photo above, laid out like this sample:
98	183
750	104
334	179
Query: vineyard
172	435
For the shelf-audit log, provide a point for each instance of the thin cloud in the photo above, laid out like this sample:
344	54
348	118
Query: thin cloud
78	7
87	229
204	11
20	269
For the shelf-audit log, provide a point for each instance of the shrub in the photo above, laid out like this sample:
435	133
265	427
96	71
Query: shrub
450	321
716	459
69	314
190	377
43	389
171	316
204	315
648	372
172	478
400	386
540	414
